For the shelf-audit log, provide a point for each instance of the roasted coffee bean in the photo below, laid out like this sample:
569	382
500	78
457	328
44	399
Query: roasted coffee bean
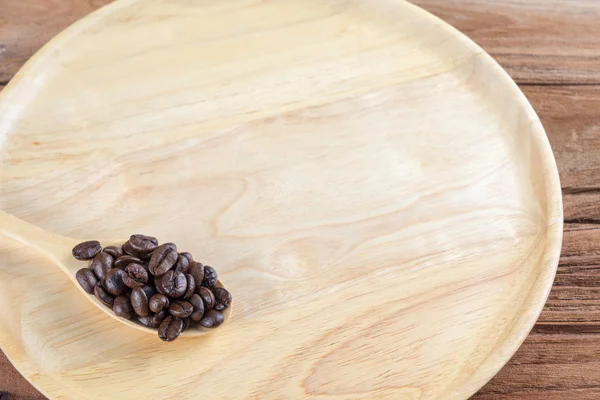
86	279
171	245
170	328
210	277
123	261
123	308
182	264
212	319
191	286
142	244
101	264
162	260
87	250
181	309
158	302
160	316
222	298
139	302
105	298
207	297
114	282
147	321
173	284
188	256
198	304
186	324
197	271
150	291
135	275
114	251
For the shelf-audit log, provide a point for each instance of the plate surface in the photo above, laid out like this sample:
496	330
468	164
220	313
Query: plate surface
377	193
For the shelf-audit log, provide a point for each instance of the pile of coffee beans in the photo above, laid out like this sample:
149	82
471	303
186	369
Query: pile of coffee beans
154	284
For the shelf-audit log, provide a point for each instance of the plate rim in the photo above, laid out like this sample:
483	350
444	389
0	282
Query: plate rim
533	302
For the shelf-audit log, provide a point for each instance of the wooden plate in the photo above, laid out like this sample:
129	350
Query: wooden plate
377	193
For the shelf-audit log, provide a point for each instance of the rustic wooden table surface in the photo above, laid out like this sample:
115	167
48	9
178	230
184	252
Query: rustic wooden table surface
552	49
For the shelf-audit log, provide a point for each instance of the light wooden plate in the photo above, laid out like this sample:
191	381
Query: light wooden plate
377	193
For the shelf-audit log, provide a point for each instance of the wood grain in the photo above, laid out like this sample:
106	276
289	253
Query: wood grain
552	41
567	34
317	172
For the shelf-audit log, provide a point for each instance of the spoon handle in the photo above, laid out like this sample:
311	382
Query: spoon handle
48	243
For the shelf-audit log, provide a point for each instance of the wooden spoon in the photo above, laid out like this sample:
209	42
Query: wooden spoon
58	249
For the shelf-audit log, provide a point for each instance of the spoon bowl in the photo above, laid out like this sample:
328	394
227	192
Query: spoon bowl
58	249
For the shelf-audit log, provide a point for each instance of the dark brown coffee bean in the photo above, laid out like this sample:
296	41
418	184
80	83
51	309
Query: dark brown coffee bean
212	319
123	261
182	264
198	304
114	282
142	245
188	256
222	298
135	275
122	307
150	291
87	250
101	264
160	317
105	298
197	271
139	302
170	328
186	324
207	297
114	251
191	287
210	277
148	321
158	302
171	245
173	284
162	260
181	309
87	280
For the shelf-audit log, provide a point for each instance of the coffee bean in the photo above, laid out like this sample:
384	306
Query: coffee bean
158	302
142	244
147	321
191	286
188	256
123	261
139	302
222	298
207	297
170	328
87	280
210	277
114	282
105	298
135	275
160	317
162	260
173	284
182	264
198	304
197	271
123	308
212	319
101	264
127	279
87	250
181	309
114	251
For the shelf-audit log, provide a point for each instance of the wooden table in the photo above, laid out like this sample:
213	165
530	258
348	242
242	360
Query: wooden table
552	49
